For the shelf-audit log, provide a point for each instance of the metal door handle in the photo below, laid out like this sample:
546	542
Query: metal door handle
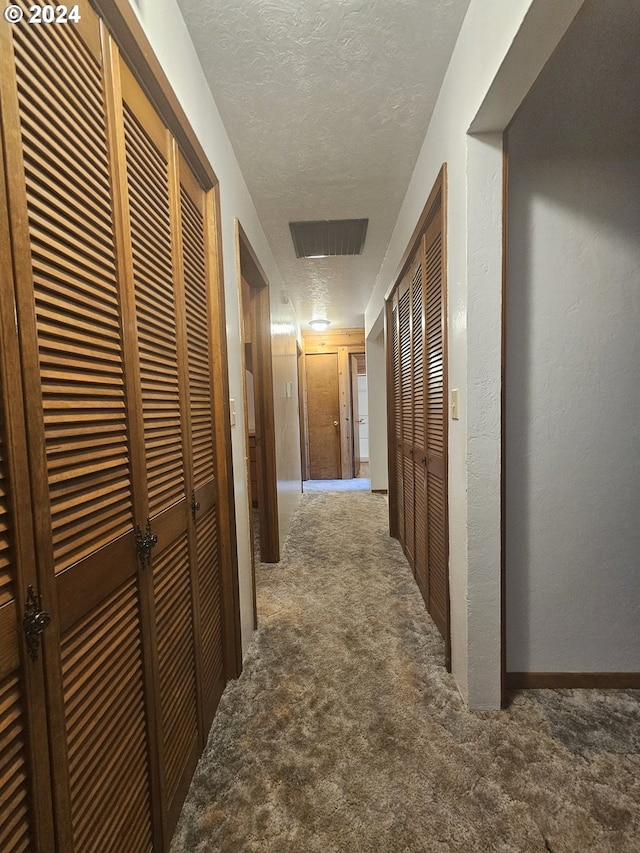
335	423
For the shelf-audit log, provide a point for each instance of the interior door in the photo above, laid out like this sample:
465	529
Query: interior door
154	229
205	498
395	424
406	392
77	401
436	435
323	409
416	273
25	802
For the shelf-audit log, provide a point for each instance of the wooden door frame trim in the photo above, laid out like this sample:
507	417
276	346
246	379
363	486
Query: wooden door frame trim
344	343
136	48
439	187
248	267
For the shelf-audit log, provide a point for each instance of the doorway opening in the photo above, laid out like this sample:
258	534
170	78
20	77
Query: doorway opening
334	410
571	392
258	399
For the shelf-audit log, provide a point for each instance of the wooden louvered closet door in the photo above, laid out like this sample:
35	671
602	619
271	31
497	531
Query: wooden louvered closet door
78	414
416	272
435	349
196	216
406	396
416	320
154	229
395	427
108	244
25	807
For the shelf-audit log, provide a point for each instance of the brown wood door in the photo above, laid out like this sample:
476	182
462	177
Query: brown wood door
417	425
406	392
436	439
25	804
195	214
323	408
416	274
156	272
69	311
396	479
111	255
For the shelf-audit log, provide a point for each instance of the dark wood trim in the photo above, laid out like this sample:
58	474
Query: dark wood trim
250	265
503	423
246	337
252	272
136	48
443	195
379	491
331	339
585	680
425	217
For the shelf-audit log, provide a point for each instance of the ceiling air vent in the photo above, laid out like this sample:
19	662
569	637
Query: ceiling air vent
328	237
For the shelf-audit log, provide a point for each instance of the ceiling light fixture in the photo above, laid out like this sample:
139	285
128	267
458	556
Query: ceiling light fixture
319	325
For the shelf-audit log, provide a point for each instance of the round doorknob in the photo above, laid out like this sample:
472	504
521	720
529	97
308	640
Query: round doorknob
335	423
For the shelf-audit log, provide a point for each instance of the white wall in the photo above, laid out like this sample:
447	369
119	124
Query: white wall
573	356
167	32
502	47
363	414
377	407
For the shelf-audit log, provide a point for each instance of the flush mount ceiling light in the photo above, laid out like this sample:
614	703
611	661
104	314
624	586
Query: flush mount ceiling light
319	325
328	237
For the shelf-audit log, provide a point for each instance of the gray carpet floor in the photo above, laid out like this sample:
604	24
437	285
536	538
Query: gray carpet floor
345	734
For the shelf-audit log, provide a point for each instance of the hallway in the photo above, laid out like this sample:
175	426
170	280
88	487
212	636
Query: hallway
345	732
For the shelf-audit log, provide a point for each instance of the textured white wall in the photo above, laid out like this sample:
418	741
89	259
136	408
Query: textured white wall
165	29
573	357
502	47
377	408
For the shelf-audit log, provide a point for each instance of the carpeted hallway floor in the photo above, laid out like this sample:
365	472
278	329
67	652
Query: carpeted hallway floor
345	734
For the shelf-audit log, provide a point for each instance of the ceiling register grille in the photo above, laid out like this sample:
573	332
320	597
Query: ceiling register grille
328	237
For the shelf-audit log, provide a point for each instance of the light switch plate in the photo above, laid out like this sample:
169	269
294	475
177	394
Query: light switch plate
232	411
455	405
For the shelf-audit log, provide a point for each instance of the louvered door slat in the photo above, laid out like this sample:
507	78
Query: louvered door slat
409	507
418	355
211	637
437	552
198	339
81	433
103	683
197	296
153	270
15	831
25	807
396	384
74	277
436	430
176	655
404	313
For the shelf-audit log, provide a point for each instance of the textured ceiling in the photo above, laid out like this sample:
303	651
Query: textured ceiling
326	103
